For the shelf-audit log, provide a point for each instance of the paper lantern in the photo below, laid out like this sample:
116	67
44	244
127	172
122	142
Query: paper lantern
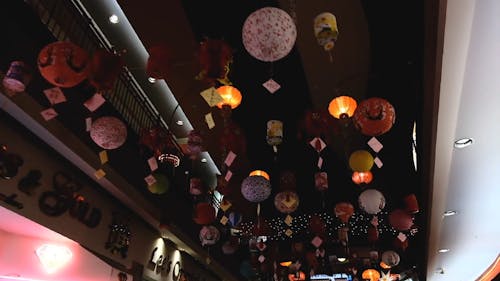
286	202
390	258
317	123
230	95
321	181
204	213
374	116
260	173
325	30
17	77
274	132
362	177
63	64
194	144
209	235
215	56
287	181
371	274
342	107
269	34
371	201
344	211
235	219
161	185
108	132
159	61
361	161
298	276
104	69
400	220
411	204
255	188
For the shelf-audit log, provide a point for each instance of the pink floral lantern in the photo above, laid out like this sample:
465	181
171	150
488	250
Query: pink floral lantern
108	132
286	201
255	188
269	34
209	235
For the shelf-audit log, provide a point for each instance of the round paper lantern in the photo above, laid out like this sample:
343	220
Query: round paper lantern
255	188
371	274
63	64
104	69
215	56
161	185
269	34
235	219
260	173
400	220
362	177
390	258
108	132
230	95
158	64
17	77
286	202
209	235
325	30
374	116
361	161
287	181
342	107
344	211
411	204
274	132
204	213
371	201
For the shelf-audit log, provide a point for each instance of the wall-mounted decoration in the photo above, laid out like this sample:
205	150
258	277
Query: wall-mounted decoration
30	182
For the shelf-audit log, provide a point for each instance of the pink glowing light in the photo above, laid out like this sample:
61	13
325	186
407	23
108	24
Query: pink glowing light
53	257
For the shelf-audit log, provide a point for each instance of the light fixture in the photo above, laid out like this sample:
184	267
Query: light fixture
179	122
203	160
341	259
463	142
114	19
443	250
53	257
342	107
152	80
449	213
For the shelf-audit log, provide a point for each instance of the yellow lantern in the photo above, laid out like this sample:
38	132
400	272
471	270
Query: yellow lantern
325	30
231	96
361	161
260	173
342	107
370	274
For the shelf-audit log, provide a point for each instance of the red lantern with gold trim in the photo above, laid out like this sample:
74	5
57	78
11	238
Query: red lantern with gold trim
374	116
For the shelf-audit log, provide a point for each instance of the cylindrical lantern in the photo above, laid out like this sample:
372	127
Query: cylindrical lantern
321	181
390	258
274	132
400	220
209	235
204	213
374	116
17	77
362	177
342	107
161	185
108	132
325	30
255	188
411	204
344	211
361	161
260	173
63	64
371	201
371	274
230	95
286	201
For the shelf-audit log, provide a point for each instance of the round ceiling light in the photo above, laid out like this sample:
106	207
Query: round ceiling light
463	142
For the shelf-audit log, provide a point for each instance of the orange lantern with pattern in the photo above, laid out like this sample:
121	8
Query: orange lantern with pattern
342	107
362	177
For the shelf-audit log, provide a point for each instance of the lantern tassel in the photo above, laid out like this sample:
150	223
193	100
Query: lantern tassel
258	210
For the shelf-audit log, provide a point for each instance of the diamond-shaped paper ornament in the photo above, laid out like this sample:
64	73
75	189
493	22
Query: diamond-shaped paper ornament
402	237
289	203
289	232
317	241
378	162
261	246
318	144
375	144
262	258
320	162
289	220
224	220
271	85
225	205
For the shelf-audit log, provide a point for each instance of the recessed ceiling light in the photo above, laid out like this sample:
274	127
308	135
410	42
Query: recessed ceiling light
179	122
151	80
463	142
114	19
203	160
449	213
444	250
341	259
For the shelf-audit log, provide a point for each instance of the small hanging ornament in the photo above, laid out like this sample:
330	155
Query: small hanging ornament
274	134
326	31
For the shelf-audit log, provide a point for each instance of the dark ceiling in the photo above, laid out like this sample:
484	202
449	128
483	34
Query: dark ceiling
378	54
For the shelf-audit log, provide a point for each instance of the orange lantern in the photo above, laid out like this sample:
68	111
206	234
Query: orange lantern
342	107
371	274
63	64
260	173
374	116
298	276
344	211
231	96
362	177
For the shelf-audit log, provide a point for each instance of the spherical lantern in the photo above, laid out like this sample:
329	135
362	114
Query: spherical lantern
158	64
108	132
269	34
209	235
317	123
63	64
17	77
390	258
362	177
374	116
204	213
400	220
260	173
234	219
371	274
286	202
161	185
344	211
231	96
371	201
255	188
104	69
342	107
274	132
325	30
361	161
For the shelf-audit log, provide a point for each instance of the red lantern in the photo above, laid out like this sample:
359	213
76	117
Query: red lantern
63	64
158	64
104	69
298	276
362	177
317	123
157	139
204	213
286	201
374	116
411	204
215	56
344	211
400	220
